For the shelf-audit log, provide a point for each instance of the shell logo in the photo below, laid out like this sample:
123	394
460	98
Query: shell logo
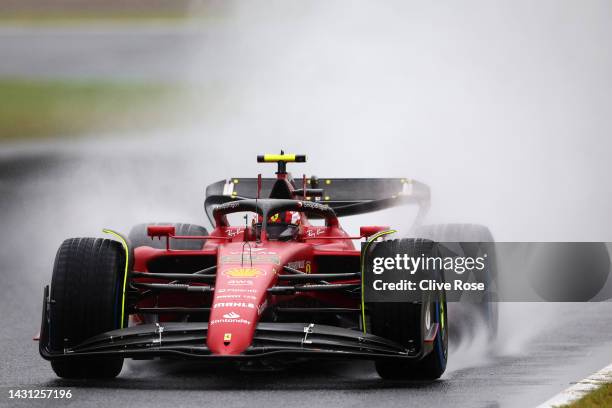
244	272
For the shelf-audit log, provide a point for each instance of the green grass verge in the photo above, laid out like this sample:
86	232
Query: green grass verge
599	398
31	109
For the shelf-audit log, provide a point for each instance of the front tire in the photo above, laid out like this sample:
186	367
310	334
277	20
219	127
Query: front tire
86	300
407	322
432	366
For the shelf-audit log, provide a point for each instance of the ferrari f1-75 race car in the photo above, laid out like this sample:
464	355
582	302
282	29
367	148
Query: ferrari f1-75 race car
277	279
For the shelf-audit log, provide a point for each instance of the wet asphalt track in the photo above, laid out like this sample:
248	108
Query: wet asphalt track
46	197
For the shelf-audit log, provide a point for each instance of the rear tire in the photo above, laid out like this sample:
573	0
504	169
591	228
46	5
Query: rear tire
138	236
405	322
86	296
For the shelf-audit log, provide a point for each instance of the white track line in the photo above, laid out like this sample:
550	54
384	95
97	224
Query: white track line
580	389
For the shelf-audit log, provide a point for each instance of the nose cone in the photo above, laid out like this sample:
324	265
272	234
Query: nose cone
232	332
240	297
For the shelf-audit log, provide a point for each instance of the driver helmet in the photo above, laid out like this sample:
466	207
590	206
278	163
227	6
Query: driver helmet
282	226
286	217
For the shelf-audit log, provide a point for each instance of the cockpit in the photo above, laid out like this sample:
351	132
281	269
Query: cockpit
281	220
281	226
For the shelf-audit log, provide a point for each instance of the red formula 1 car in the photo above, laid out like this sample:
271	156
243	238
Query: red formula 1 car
276	279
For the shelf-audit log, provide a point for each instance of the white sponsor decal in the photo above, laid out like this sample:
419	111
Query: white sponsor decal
235	297
238	321
315	206
296	264
240	282
235	290
233	232
231	315
224	206
234	304
255	258
314	232
259	251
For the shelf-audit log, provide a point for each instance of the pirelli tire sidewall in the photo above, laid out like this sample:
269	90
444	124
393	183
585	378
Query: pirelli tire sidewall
86	300
405	322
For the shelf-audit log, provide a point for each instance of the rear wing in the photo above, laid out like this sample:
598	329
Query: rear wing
347	196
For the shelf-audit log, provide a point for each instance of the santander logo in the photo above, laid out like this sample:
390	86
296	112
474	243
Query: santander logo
231	315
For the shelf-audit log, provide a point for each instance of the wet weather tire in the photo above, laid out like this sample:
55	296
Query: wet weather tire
86	300
138	236
405	322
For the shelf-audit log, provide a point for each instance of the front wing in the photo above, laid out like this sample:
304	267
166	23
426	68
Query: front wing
188	340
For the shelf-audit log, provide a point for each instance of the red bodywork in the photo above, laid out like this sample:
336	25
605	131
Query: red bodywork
277	287
240	296
245	270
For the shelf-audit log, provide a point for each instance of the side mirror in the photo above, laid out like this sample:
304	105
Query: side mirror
370	230
160	230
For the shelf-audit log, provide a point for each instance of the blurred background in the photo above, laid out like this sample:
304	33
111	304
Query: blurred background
504	109
118	112
73	67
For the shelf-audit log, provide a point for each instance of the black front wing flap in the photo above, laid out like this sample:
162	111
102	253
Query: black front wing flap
188	340
271	339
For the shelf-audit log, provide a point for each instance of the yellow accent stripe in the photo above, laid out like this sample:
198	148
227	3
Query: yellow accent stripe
125	274
442	311
279	157
367	245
